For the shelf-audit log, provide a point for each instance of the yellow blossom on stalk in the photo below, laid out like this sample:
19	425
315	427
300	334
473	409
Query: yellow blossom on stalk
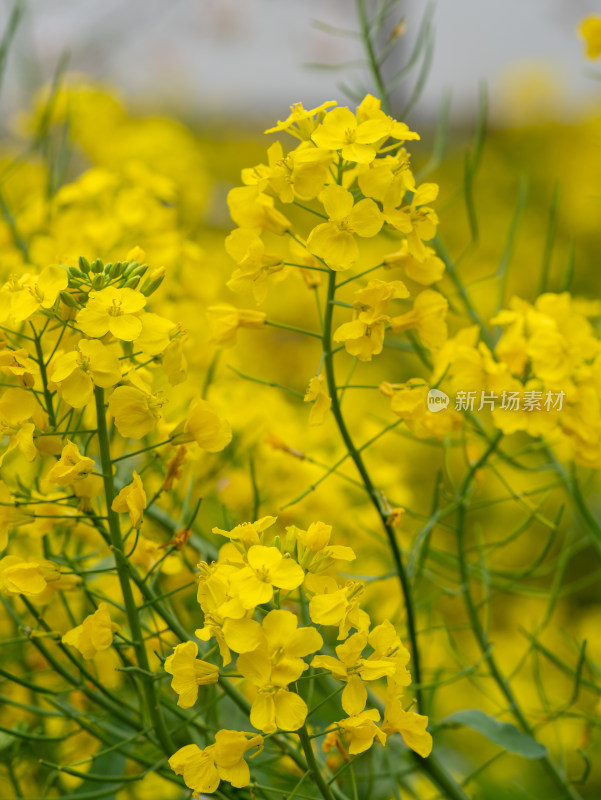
114	311
78	371
131	499
276	662
301	173
31	578
426	271
357	139
428	317
248	533
387	179
410	725
95	633
203	770
363	337
136	410
266	568
71	466
251	208
197	767
156	334
321	401
18	363
189	672
416	221
254	264
360	730
409	401
17	407
301	121
590	30
38	292
314	549
331	604
225	319
352	668
86	489
174	361
219	606
334	241
205	427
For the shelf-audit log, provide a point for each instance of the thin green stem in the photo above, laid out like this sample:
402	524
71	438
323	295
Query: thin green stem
123	573
293	329
374	67
372	492
478	629
44	376
323	787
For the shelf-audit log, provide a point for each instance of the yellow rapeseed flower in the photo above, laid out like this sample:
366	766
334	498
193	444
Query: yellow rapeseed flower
189	672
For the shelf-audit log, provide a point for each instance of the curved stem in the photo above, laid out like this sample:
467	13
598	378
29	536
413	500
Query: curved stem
123	573
480	634
372	492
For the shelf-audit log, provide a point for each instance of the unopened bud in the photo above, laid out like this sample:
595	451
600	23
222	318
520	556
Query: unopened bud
154	280
129	268
68	299
141	270
84	264
97	265
132	282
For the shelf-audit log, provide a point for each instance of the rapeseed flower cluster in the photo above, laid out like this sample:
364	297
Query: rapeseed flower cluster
130	457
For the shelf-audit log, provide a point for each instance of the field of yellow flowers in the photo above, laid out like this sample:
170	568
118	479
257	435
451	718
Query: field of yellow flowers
300	441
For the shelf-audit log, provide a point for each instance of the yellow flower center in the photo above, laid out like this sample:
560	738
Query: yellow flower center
115	309
263	574
350	135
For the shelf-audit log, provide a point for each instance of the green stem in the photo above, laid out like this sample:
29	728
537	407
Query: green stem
123	573
44	376
479	632
371	55
372	492
312	764
293	329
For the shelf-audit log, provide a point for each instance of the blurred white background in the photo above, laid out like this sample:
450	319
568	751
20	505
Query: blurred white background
217	58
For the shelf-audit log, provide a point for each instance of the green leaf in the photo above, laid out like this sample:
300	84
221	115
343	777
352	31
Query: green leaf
504	734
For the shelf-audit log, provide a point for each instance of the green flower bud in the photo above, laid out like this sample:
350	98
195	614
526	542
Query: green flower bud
68	299
132	282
